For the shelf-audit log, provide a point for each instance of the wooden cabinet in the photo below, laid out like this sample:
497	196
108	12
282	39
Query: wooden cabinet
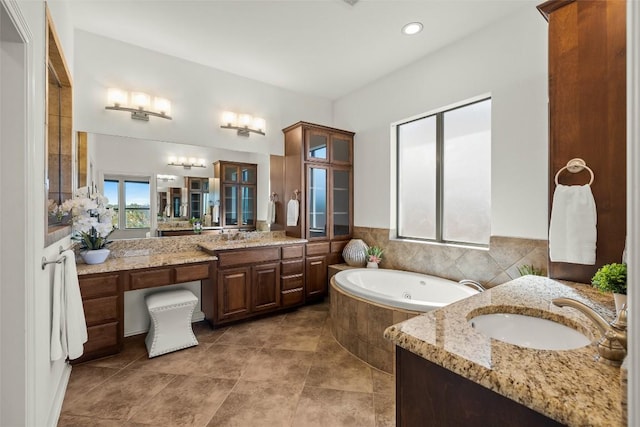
587	110
234	193
265	287
198	195
234	293
426	391
102	300
318	167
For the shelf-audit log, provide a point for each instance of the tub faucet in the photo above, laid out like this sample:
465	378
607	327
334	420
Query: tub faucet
612	346
472	283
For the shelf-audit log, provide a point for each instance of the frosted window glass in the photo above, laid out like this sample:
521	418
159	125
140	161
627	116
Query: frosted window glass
417	179
467	174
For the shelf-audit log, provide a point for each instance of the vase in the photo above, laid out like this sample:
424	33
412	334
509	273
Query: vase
355	253
620	300
371	264
95	256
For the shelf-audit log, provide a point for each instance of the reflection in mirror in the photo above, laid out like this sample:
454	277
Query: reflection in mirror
176	193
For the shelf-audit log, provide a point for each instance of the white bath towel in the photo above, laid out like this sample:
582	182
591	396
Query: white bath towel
68	324
216	213
572	231
271	212
293	208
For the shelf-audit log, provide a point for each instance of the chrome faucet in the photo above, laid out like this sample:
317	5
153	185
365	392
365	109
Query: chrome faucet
472	283
612	346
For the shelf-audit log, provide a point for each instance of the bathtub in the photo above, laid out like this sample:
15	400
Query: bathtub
402	289
366	301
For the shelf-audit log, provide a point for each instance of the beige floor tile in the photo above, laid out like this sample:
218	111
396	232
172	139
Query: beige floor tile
84	378
340	371
205	334
249	334
285	366
332	408
120	395
78	421
258	403
185	401
289	337
133	349
385	410
383	383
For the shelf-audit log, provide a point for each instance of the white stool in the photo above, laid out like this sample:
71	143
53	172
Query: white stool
170	328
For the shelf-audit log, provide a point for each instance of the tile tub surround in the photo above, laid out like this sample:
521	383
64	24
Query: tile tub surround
491	267
358	325
567	386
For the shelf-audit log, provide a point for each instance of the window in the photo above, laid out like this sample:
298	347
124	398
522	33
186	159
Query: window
444	176
130	198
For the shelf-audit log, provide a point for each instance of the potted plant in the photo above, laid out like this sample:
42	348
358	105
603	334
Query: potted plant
92	224
196	223
374	256
612	278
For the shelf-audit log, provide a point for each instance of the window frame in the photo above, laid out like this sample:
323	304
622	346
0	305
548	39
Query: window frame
439	198
122	207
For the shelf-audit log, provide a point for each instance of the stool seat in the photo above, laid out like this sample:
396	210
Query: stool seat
170	313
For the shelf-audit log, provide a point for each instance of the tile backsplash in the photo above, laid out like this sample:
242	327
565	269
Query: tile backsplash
491	267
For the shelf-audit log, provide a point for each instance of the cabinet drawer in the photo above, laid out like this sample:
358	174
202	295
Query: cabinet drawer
337	247
293	297
150	278
317	248
292	251
92	287
188	273
101	337
292	267
248	256
100	310
293	282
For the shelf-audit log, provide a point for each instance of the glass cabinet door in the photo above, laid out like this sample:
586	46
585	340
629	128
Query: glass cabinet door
340	149
341	202
248	202
248	174
317	201
230	173
317	146
230	205
195	205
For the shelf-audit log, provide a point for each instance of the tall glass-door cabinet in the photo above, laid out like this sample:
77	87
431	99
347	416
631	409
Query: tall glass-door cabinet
236	185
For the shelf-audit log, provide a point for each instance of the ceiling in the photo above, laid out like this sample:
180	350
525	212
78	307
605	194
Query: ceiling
325	48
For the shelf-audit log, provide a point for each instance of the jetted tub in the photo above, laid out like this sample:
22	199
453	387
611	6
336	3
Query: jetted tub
402	289
365	301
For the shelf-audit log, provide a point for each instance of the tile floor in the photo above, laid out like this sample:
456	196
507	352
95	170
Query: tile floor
285	370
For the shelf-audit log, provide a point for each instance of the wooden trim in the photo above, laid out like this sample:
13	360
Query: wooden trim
550	6
317	127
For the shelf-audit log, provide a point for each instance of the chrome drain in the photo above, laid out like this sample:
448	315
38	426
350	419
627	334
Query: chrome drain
406	295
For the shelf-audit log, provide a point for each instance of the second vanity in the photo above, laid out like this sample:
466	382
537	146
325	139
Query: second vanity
240	278
452	374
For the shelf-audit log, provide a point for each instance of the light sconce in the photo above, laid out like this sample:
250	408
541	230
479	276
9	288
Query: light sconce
165	178
139	106
243	123
192	162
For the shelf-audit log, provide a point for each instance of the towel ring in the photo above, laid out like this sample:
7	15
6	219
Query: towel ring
575	166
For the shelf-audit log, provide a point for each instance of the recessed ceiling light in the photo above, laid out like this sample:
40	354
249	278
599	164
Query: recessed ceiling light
412	28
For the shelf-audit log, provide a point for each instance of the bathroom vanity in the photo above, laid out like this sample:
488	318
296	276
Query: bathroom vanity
449	372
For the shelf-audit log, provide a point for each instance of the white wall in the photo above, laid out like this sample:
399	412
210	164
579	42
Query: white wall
507	60
198	94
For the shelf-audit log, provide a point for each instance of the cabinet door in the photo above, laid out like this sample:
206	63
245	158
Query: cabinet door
316	146
230	205
248	174
230	173
317	202
316	276
341	149
233	292
341	210
265	287
248	205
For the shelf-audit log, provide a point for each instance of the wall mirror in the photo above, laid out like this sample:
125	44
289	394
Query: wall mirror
175	192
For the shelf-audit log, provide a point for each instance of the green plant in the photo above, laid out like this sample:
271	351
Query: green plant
611	278
374	254
526	269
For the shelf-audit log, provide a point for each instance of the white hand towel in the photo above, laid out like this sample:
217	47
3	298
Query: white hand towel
293	208
68	326
271	212
216	213
572	230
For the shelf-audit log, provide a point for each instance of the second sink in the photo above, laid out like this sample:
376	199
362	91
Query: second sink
529	331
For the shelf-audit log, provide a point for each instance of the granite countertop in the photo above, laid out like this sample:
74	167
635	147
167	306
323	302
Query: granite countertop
222	245
144	261
567	386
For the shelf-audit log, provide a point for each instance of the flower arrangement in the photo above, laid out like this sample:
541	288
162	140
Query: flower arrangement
374	254
92	222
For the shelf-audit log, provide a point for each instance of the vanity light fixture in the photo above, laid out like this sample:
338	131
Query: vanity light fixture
165	178
192	162
412	28
243	123
139	106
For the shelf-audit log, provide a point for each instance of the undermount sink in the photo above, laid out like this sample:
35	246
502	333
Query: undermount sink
529	331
